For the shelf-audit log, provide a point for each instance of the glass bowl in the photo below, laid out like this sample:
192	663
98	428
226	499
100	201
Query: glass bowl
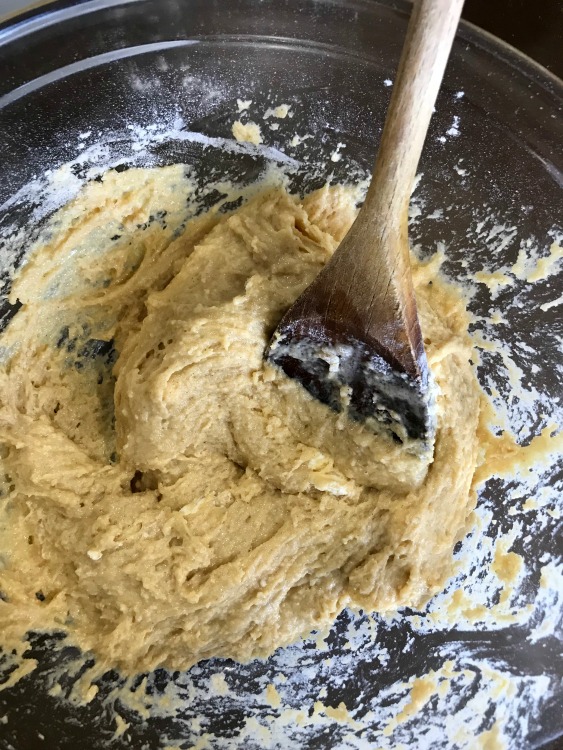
101	84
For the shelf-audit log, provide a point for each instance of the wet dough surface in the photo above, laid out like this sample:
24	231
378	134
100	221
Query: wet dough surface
167	495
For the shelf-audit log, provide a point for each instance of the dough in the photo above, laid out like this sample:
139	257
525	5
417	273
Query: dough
168	496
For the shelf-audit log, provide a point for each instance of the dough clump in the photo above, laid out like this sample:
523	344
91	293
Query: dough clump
168	496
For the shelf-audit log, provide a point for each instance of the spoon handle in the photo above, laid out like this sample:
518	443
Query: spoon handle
430	34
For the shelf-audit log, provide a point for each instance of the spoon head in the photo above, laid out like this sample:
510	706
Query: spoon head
352	377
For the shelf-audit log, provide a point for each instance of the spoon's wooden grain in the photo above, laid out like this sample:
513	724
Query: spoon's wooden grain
353	338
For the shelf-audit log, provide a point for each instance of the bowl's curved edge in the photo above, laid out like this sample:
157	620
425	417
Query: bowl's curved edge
23	20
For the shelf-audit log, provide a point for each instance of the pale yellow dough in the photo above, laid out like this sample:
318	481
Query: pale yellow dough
195	502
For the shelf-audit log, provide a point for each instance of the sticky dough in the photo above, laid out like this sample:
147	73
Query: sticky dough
167	495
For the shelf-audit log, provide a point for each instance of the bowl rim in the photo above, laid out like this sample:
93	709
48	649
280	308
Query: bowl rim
39	13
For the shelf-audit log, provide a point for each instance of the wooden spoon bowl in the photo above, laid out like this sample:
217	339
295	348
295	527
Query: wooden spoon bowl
353	337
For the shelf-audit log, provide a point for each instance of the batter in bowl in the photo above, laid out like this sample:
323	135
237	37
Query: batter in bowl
168	495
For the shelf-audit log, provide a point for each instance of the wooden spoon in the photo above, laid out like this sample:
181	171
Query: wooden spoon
353	338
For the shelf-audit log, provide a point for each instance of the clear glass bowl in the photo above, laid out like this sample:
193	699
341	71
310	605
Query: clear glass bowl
103	83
